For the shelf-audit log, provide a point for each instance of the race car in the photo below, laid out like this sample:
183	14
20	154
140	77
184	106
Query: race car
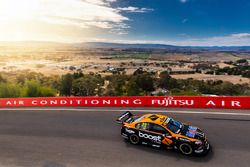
164	132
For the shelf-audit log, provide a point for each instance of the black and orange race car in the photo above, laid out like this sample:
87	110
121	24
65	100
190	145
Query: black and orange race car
161	131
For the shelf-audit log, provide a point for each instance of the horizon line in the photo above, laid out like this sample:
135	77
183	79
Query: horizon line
122	43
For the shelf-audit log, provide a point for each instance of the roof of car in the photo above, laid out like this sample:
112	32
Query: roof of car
155	118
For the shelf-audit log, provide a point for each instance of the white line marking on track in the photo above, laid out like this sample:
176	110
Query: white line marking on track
133	110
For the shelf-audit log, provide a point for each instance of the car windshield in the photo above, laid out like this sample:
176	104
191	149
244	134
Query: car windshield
173	125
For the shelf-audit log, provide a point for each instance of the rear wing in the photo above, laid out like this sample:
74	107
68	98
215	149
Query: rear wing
124	117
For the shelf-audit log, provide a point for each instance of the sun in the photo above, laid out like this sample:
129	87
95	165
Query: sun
14	10
17	17
57	20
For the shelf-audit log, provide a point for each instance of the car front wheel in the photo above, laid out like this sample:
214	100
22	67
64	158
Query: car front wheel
186	149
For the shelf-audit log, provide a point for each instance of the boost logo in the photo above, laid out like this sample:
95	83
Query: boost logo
156	139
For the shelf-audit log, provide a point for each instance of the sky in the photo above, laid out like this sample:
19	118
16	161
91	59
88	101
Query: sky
174	22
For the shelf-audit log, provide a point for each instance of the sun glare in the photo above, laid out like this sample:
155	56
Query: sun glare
63	20
14	10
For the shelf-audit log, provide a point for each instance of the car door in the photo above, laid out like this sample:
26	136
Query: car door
148	136
159	130
143	132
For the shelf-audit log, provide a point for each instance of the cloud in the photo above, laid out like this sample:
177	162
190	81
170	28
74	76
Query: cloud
97	2
241	35
111	0
123	41
183	1
238	39
132	9
83	14
89	13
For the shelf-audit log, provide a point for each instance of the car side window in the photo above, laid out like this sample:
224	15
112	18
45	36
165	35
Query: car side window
137	126
142	126
158	129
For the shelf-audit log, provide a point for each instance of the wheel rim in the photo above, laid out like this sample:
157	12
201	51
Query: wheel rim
134	139
186	149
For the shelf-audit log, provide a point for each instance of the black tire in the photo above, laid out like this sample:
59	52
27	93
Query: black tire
186	149
134	139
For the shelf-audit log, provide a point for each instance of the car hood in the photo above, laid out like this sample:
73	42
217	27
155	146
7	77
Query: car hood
192	132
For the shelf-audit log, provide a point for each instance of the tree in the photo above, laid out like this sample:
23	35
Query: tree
109	91
132	88
178	92
145	82
21	79
87	85
77	75
166	81
8	90
139	71
34	89
241	61
117	84
2	79
47	92
66	85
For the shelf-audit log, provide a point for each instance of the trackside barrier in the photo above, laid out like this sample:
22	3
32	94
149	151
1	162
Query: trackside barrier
225	102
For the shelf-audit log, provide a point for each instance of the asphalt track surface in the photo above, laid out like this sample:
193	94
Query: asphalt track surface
91	138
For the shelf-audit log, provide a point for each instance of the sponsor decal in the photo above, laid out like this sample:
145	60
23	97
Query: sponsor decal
125	136
191	131
129	130
183	139
190	134
158	146
171	101
155	139
222	103
234	102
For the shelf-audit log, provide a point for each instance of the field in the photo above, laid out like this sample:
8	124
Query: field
205	77
58	59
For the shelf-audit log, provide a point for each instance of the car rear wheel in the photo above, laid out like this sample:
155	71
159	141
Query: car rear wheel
186	149
134	139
